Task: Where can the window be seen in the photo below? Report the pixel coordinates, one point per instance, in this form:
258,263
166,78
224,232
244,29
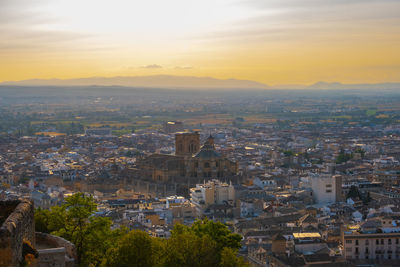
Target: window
349,241
328,185
207,165
357,242
328,191
382,241
366,251
356,250
377,241
389,241
397,241
367,242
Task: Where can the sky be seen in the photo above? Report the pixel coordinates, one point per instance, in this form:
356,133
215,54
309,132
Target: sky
269,41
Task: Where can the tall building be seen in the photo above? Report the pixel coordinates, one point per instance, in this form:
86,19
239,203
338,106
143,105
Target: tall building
190,165
326,188
212,192
187,143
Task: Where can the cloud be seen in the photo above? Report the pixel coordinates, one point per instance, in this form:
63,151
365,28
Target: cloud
151,66
325,20
184,67
25,27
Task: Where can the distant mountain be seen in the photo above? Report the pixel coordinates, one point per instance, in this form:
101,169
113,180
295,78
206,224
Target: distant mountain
341,86
154,81
193,82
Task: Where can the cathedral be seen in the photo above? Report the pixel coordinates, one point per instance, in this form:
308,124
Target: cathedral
191,164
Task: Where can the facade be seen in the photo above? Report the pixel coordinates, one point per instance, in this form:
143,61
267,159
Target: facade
371,246
213,192
187,143
326,188
189,166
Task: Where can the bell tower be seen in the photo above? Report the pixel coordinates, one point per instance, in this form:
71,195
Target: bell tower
187,143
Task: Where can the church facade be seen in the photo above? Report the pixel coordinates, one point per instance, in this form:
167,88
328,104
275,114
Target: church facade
191,163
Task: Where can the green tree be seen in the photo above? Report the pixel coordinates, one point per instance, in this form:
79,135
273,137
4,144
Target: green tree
205,243
361,151
353,193
192,245
367,199
135,249
288,153
229,259
73,220
42,218
187,249
218,232
343,157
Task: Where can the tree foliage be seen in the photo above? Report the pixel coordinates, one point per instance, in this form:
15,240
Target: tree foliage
73,221
136,248
353,193
343,157
205,243
229,258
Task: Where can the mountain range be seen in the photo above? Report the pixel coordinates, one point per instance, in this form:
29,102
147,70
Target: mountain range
191,82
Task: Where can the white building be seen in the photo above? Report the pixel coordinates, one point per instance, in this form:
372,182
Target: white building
326,188
265,181
212,192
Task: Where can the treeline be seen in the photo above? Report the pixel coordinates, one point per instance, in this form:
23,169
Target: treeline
205,243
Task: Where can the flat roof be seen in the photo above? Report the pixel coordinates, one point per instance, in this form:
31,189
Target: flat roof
305,235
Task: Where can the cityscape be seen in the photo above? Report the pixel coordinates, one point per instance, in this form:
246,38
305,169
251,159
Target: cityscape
231,150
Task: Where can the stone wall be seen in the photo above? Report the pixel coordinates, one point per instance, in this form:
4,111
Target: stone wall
56,250
16,228
51,257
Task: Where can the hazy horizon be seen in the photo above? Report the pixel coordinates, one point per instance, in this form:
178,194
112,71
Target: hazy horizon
269,42
191,82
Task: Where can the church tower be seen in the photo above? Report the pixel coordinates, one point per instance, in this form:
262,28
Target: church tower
187,143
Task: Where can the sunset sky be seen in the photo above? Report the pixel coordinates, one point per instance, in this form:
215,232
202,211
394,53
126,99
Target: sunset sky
269,41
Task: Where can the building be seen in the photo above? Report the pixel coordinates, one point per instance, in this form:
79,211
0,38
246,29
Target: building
213,192
187,143
173,126
369,242
326,188
190,165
